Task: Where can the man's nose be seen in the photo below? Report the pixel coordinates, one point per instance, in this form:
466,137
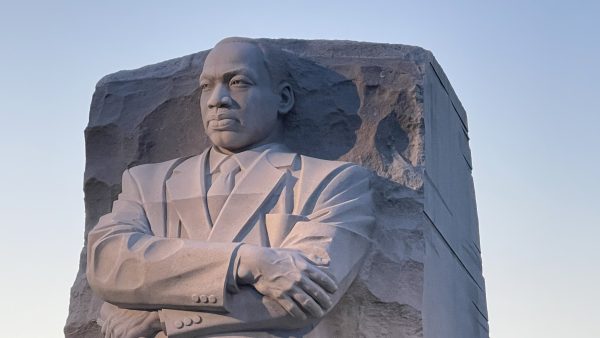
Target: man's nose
219,98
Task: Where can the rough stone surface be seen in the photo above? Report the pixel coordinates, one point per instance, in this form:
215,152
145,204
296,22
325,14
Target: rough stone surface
389,108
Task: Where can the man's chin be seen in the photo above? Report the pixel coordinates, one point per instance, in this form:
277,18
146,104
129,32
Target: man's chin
234,142
230,144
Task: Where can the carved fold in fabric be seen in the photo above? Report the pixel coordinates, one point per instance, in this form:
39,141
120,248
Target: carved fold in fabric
279,225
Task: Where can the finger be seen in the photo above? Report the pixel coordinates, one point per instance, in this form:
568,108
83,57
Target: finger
116,330
307,303
316,292
111,332
321,278
291,307
106,327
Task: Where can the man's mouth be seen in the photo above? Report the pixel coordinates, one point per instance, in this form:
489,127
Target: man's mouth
223,122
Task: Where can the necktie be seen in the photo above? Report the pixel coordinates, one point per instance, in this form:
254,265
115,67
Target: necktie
222,186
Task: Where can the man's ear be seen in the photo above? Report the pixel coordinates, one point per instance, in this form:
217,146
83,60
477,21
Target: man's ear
286,98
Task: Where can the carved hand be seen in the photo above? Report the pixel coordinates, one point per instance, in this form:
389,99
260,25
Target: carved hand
286,276
123,323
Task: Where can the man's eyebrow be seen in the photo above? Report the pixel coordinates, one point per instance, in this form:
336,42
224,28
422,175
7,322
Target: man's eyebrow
242,71
229,74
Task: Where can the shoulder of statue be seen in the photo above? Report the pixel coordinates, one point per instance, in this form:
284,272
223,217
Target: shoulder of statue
317,167
333,164
158,171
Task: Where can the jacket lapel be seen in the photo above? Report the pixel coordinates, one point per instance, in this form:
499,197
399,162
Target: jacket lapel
247,199
186,190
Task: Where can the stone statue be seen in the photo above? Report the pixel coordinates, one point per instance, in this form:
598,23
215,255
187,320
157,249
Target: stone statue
247,238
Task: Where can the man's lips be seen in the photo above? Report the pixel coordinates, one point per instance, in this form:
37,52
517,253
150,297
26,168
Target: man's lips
221,114
223,122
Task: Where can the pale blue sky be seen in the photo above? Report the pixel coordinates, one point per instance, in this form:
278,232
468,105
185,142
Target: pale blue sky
527,73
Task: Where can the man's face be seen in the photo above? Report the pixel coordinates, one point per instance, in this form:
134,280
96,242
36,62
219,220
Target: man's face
239,106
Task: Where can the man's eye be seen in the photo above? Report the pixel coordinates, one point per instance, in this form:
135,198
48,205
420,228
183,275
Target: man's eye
239,83
204,86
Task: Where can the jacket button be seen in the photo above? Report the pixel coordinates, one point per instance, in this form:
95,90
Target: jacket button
179,324
204,299
212,299
187,321
196,298
197,319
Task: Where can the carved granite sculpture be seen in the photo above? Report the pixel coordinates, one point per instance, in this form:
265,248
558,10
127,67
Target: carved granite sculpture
247,236
388,108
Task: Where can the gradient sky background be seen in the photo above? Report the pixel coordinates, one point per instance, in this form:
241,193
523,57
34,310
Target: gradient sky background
527,73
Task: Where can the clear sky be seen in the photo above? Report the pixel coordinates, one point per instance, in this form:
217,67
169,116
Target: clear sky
527,73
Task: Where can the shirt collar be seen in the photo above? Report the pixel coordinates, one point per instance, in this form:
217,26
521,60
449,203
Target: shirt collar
215,158
245,158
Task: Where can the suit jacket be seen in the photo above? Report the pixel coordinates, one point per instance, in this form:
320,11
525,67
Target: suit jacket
159,250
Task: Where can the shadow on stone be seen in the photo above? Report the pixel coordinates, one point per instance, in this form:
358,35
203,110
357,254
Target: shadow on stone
325,119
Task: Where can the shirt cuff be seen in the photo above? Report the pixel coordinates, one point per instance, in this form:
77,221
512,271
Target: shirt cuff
162,320
232,280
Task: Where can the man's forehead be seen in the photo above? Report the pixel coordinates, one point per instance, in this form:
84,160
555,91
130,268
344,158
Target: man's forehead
233,57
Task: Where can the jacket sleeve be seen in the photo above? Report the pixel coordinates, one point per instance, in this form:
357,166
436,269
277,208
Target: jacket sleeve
334,234
130,267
